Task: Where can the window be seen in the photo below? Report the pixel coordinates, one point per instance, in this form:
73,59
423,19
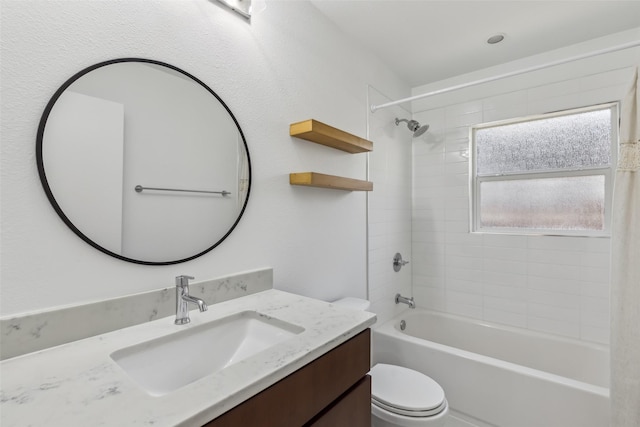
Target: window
549,174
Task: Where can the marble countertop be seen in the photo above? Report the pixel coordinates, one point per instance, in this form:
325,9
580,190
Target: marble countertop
79,384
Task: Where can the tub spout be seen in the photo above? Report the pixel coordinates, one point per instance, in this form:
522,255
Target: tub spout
404,300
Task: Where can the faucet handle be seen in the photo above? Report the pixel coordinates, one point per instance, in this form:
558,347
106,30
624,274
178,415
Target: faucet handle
183,280
398,262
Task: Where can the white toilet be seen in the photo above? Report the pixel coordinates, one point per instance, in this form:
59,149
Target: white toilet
402,397
405,398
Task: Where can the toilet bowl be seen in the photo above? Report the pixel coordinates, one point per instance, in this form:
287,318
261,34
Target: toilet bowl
402,397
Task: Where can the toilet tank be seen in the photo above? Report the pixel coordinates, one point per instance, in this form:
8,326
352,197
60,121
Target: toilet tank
354,303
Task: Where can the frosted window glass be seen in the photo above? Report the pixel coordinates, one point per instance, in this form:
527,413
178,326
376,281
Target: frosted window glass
573,141
566,203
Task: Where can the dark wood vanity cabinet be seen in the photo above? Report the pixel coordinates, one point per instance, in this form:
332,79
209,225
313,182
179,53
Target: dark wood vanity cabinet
332,391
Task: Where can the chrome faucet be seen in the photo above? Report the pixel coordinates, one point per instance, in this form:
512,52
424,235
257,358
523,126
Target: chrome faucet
404,300
183,299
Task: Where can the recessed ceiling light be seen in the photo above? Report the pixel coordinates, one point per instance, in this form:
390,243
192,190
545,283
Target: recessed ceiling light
495,39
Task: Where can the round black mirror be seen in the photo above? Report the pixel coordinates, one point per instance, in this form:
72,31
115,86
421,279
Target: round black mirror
143,161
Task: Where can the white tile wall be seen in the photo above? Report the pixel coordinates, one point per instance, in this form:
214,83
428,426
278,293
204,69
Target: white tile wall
390,207
558,285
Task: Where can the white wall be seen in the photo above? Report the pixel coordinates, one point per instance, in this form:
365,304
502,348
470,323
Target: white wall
83,164
389,207
552,284
288,64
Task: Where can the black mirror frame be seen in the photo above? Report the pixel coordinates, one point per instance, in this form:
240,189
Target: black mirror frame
56,206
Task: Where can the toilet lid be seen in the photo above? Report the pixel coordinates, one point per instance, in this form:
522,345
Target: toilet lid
406,390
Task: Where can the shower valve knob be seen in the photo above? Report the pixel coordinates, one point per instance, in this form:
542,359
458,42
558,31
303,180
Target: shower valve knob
398,262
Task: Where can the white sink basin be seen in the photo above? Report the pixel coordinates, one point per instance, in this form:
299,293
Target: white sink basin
165,364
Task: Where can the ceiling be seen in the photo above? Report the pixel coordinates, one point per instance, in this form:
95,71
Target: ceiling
426,41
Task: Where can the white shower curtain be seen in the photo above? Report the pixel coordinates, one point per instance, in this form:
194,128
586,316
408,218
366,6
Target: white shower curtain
625,269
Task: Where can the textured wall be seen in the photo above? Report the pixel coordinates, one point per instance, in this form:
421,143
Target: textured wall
288,64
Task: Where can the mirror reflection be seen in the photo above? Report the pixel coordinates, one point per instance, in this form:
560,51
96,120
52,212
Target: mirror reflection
133,123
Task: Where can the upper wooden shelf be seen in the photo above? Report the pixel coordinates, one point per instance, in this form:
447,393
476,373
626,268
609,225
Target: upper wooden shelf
318,132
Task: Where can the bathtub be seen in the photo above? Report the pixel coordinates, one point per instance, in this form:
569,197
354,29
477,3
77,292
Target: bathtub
501,376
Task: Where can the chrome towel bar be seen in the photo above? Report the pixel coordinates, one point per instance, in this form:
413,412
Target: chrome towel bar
140,189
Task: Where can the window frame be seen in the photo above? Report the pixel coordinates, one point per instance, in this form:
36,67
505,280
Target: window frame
608,172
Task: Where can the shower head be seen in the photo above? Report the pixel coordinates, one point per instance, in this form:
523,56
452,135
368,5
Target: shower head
414,127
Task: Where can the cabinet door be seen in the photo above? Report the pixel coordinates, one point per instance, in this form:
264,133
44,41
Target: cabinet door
352,409
300,397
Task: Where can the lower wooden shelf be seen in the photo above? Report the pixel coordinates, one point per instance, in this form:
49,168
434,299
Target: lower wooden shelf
314,179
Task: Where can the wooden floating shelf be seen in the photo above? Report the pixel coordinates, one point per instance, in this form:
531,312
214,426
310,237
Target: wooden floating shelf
314,179
318,132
